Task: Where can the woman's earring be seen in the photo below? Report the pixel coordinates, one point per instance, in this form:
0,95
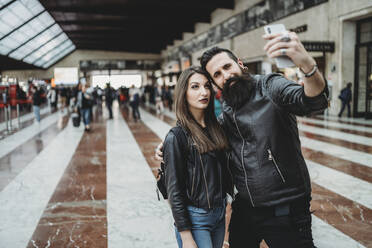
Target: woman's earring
245,69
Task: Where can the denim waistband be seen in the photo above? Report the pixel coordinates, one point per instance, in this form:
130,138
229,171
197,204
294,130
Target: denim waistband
220,204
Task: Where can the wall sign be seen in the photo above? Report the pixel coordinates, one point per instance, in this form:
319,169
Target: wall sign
299,29
319,46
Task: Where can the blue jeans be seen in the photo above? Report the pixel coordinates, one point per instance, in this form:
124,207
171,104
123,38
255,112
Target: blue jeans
344,104
208,227
86,116
37,113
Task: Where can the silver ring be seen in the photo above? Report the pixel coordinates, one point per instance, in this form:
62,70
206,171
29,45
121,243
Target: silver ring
285,38
283,51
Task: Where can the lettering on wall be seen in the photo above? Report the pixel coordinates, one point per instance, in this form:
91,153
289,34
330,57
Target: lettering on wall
299,29
319,46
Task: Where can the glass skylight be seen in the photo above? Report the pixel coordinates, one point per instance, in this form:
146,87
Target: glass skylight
60,55
3,2
29,33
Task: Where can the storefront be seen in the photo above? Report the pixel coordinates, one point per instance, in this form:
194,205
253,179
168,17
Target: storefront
362,94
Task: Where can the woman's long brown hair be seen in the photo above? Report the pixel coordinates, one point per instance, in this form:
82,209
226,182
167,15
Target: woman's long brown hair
203,143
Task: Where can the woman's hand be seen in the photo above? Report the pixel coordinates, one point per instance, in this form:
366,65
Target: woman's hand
159,152
189,244
227,224
187,240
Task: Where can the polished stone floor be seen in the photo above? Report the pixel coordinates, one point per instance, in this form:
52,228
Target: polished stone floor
63,187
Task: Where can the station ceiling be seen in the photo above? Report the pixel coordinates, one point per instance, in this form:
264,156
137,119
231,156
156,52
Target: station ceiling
37,34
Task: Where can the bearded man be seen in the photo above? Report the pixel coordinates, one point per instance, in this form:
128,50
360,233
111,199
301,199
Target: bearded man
269,170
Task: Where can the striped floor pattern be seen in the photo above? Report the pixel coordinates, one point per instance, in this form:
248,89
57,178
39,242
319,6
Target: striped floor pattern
63,187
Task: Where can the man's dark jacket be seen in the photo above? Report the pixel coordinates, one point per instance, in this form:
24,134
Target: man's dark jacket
267,162
36,97
345,95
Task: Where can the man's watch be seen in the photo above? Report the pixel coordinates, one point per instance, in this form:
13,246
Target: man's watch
310,73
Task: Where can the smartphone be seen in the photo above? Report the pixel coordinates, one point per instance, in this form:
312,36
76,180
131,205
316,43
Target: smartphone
280,61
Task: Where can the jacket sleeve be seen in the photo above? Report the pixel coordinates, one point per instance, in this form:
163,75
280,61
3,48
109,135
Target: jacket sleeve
291,96
175,178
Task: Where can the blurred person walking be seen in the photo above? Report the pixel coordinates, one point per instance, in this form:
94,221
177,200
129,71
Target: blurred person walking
168,95
134,101
85,100
53,98
63,97
36,101
109,98
345,97
159,105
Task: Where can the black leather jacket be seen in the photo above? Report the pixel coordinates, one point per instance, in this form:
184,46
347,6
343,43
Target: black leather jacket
193,179
267,162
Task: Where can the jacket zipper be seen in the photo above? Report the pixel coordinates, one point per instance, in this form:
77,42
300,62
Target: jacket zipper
242,157
232,179
271,157
193,177
193,180
205,180
220,175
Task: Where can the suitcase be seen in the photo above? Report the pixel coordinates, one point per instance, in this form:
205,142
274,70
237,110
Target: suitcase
75,119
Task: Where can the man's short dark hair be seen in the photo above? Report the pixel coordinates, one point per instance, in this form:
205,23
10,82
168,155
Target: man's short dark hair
210,53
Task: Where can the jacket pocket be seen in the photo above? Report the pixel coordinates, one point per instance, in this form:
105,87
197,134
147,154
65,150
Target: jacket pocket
272,158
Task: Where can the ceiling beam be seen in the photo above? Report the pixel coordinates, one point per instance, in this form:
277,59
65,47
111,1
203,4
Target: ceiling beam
7,63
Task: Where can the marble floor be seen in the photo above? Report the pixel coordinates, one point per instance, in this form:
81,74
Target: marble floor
63,187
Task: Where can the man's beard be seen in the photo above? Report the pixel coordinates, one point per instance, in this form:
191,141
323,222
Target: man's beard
237,90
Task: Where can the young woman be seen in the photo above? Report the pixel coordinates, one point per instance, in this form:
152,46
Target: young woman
197,176
84,103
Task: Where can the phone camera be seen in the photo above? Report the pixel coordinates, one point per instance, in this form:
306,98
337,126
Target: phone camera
269,30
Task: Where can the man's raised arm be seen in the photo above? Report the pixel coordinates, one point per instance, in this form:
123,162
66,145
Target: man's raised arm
291,46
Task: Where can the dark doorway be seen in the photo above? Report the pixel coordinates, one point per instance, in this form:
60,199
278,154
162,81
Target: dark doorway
362,104
254,67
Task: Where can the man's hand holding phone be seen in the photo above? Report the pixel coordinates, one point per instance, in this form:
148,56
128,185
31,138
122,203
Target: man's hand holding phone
286,45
